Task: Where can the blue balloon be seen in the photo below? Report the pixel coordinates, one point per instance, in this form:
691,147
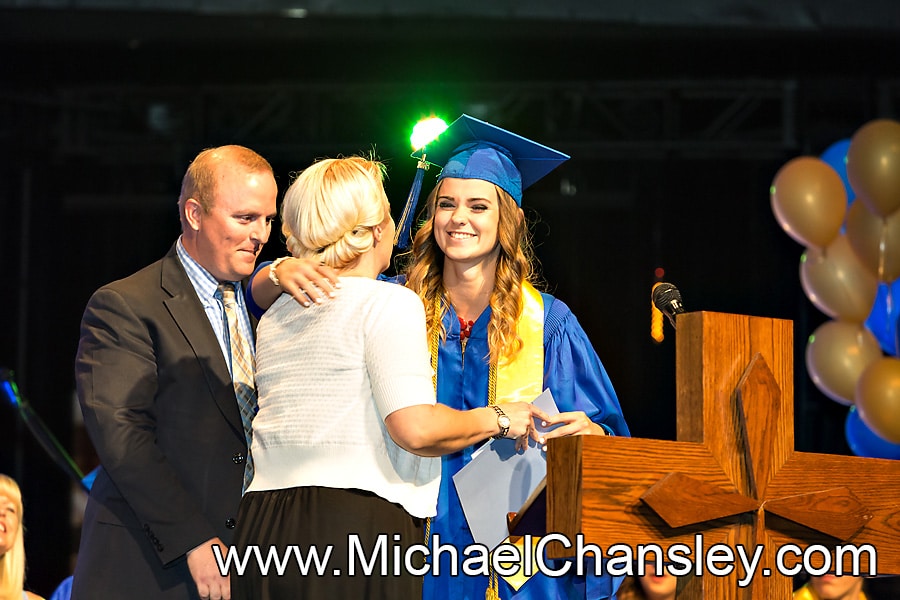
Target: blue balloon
836,157
882,321
865,442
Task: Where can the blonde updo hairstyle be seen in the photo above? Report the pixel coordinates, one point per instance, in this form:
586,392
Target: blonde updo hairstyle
330,209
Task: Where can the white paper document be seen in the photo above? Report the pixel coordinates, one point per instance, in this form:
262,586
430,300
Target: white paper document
498,481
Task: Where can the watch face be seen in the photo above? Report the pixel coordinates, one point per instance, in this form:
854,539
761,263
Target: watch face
503,421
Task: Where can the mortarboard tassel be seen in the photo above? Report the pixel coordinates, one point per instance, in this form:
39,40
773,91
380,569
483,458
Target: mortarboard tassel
403,237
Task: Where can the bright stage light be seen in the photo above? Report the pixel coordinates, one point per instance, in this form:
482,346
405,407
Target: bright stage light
426,130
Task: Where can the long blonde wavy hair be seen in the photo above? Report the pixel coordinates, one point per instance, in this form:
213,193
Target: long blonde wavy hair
425,268
12,563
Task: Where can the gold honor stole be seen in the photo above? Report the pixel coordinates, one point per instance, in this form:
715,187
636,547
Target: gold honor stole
521,380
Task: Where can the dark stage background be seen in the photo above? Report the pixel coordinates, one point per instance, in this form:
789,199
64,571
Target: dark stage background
677,116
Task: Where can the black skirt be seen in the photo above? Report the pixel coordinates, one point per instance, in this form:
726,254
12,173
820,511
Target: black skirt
351,532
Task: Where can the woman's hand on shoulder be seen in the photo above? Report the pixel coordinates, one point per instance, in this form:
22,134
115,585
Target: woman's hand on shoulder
306,280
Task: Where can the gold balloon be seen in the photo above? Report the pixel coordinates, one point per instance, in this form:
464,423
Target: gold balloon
837,282
873,165
836,355
809,200
876,240
878,398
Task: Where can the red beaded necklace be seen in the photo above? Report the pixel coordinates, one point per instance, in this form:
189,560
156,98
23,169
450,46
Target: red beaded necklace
465,328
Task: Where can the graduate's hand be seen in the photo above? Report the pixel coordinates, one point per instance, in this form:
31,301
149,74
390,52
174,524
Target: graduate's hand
521,416
570,423
307,280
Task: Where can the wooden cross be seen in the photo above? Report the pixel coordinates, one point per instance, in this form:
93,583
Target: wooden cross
732,477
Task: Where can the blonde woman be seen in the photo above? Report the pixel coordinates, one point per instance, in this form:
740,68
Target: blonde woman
348,428
12,544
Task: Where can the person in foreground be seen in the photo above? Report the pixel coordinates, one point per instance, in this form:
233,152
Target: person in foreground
347,432
159,391
832,587
471,266
649,586
12,543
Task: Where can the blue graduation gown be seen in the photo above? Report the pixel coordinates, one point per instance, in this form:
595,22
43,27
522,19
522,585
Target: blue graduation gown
578,382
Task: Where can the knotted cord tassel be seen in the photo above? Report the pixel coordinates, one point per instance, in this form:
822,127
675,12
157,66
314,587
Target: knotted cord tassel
493,590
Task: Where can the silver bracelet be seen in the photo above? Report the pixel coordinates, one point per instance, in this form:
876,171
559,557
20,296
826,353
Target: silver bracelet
272,276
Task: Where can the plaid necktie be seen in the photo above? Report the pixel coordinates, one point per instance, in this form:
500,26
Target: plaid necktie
241,370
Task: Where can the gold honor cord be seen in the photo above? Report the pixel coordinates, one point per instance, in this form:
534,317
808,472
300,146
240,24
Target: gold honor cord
521,380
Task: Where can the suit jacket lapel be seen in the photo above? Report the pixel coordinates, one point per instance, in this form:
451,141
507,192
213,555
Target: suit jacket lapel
189,316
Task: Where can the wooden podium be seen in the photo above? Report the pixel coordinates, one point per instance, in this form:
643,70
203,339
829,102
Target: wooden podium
732,477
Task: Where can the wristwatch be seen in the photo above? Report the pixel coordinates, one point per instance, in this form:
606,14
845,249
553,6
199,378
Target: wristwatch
502,422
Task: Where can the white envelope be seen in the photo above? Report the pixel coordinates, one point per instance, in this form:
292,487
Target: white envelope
498,481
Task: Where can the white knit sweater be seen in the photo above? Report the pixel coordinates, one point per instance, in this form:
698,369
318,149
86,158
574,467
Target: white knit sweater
327,377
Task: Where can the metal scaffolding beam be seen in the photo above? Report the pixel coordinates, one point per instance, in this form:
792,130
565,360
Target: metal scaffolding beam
646,119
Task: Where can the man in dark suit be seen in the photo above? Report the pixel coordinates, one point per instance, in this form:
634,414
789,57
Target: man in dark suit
153,381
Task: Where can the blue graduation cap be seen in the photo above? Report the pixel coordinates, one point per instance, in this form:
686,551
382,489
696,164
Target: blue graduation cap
473,149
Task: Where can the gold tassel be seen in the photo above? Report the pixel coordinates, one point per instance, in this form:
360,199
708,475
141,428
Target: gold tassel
493,590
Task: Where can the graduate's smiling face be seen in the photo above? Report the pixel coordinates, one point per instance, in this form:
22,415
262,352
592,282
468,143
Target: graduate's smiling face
466,220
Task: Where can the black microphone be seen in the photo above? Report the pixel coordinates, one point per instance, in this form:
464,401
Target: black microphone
667,299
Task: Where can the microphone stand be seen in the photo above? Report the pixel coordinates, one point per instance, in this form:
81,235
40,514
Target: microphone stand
40,430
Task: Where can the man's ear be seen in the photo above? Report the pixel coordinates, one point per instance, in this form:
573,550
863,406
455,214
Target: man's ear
193,213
